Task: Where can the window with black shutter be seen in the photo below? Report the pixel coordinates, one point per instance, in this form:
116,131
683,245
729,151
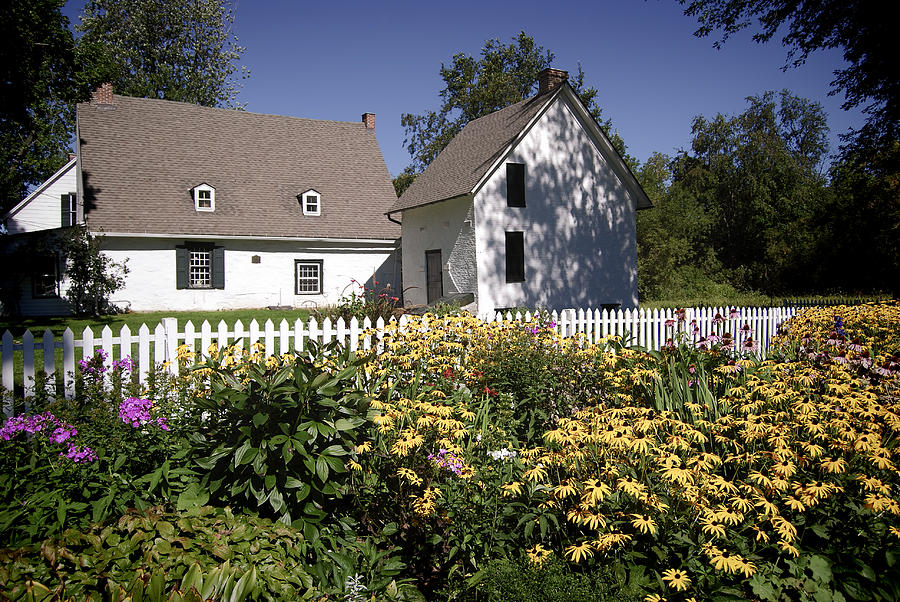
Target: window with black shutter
515,184
199,265
515,256
69,209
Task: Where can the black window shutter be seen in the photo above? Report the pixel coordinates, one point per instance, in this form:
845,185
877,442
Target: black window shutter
218,267
515,184
515,257
65,207
181,267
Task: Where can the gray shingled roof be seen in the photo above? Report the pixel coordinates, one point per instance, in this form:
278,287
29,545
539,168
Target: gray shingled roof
140,158
459,167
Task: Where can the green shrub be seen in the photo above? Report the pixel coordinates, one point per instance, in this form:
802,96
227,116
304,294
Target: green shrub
212,550
555,581
279,432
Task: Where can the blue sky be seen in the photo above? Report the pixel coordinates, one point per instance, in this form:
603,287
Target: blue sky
338,59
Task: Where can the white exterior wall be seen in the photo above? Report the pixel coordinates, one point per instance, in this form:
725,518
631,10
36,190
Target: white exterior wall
150,284
578,224
446,226
41,210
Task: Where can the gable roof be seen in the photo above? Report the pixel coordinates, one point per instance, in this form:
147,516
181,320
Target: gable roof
461,165
41,188
483,142
140,158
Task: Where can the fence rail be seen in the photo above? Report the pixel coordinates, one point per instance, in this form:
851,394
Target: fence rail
750,328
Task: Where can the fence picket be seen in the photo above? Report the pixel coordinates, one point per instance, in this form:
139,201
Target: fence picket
68,363
651,329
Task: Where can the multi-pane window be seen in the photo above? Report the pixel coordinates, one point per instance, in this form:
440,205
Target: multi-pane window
308,275
69,209
311,202
45,277
200,267
204,199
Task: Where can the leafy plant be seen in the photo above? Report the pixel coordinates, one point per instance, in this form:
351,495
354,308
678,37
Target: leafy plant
156,555
279,433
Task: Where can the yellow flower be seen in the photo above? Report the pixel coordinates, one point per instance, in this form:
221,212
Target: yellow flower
595,492
538,554
644,523
833,466
676,579
536,474
582,550
654,598
712,526
514,488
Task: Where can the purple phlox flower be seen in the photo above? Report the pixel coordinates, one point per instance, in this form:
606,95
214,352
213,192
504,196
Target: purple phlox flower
551,324
136,412
448,460
124,364
79,454
61,434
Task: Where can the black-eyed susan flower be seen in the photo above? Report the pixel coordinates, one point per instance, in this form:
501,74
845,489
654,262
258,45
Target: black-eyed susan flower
677,579
644,523
576,552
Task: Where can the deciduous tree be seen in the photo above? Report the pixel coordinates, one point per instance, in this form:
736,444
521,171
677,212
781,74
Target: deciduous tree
37,91
180,50
504,75
859,28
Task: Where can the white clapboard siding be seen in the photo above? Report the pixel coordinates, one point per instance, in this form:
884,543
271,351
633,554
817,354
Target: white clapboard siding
751,328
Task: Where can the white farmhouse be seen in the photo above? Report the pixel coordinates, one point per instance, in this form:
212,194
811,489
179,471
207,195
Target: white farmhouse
215,208
530,206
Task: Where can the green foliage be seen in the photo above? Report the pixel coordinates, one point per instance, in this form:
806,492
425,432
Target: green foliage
473,88
362,302
37,114
741,208
184,50
858,28
278,436
505,580
156,555
92,276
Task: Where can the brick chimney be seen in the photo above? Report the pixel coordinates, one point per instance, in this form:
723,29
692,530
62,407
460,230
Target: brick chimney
369,120
550,79
103,95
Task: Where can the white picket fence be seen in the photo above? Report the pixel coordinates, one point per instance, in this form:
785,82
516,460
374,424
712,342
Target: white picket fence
649,329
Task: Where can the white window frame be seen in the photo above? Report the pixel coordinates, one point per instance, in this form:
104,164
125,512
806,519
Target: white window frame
204,188
200,261
303,200
306,263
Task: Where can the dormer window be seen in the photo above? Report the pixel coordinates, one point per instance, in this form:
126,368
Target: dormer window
311,201
204,198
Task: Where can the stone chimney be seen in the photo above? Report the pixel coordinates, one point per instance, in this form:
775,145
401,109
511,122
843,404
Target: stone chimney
550,79
103,95
369,120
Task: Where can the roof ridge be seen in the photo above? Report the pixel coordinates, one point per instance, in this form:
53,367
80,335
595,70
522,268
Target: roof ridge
182,103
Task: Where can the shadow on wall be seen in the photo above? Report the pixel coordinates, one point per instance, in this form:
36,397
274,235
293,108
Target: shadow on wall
578,224
389,275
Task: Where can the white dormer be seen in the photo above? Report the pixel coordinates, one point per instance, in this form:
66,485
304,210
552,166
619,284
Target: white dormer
204,197
311,201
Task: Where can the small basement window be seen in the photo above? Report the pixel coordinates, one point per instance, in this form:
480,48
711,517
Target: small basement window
204,198
311,201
